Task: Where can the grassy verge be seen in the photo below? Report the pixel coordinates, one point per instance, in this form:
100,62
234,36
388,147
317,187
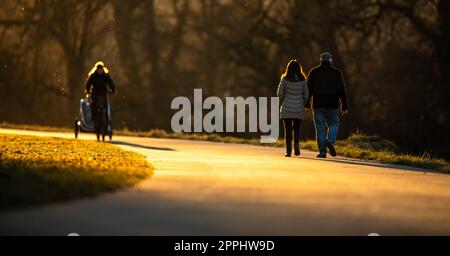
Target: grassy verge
357,146
35,127
375,148
35,170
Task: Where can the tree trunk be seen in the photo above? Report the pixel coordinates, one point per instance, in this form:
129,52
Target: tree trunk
443,56
75,82
328,40
124,36
160,99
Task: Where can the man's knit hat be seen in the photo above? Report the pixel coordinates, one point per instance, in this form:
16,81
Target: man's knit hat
326,56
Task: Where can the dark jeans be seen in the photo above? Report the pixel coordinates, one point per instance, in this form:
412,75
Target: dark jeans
99,108
292,125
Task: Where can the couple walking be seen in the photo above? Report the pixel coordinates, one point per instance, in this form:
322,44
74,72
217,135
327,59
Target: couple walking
325,87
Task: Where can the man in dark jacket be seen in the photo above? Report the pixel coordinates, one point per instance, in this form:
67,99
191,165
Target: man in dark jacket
97,86
327,91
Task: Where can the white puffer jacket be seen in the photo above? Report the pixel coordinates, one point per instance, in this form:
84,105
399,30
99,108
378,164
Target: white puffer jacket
293,96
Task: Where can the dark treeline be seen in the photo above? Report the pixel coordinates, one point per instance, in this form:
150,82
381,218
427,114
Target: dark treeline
394,54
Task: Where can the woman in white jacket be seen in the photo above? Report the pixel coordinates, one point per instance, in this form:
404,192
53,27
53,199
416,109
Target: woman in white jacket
293,94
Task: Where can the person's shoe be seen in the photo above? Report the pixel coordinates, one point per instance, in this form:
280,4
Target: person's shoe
288,153
321,156
333,152
297,150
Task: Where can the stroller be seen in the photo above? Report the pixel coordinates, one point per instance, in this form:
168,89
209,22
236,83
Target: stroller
86,122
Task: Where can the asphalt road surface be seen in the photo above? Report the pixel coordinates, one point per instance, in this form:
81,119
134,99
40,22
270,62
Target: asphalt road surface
204,188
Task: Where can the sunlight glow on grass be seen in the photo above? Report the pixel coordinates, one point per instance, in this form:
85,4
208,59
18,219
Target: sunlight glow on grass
37,170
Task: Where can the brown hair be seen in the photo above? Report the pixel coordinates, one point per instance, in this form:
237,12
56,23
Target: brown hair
294,71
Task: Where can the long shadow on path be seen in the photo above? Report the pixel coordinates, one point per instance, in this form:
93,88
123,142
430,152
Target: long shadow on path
122,143
374,164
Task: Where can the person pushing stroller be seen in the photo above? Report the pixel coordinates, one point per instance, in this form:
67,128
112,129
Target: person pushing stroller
97,85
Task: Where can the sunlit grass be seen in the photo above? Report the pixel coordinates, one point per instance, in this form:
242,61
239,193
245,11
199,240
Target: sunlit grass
375,148
38,170
35,127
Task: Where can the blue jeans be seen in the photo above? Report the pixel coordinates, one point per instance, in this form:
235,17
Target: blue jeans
326,121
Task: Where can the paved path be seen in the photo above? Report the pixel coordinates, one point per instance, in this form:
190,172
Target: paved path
203,188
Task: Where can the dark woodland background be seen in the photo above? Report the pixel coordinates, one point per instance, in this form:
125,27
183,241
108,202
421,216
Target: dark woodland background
394,55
